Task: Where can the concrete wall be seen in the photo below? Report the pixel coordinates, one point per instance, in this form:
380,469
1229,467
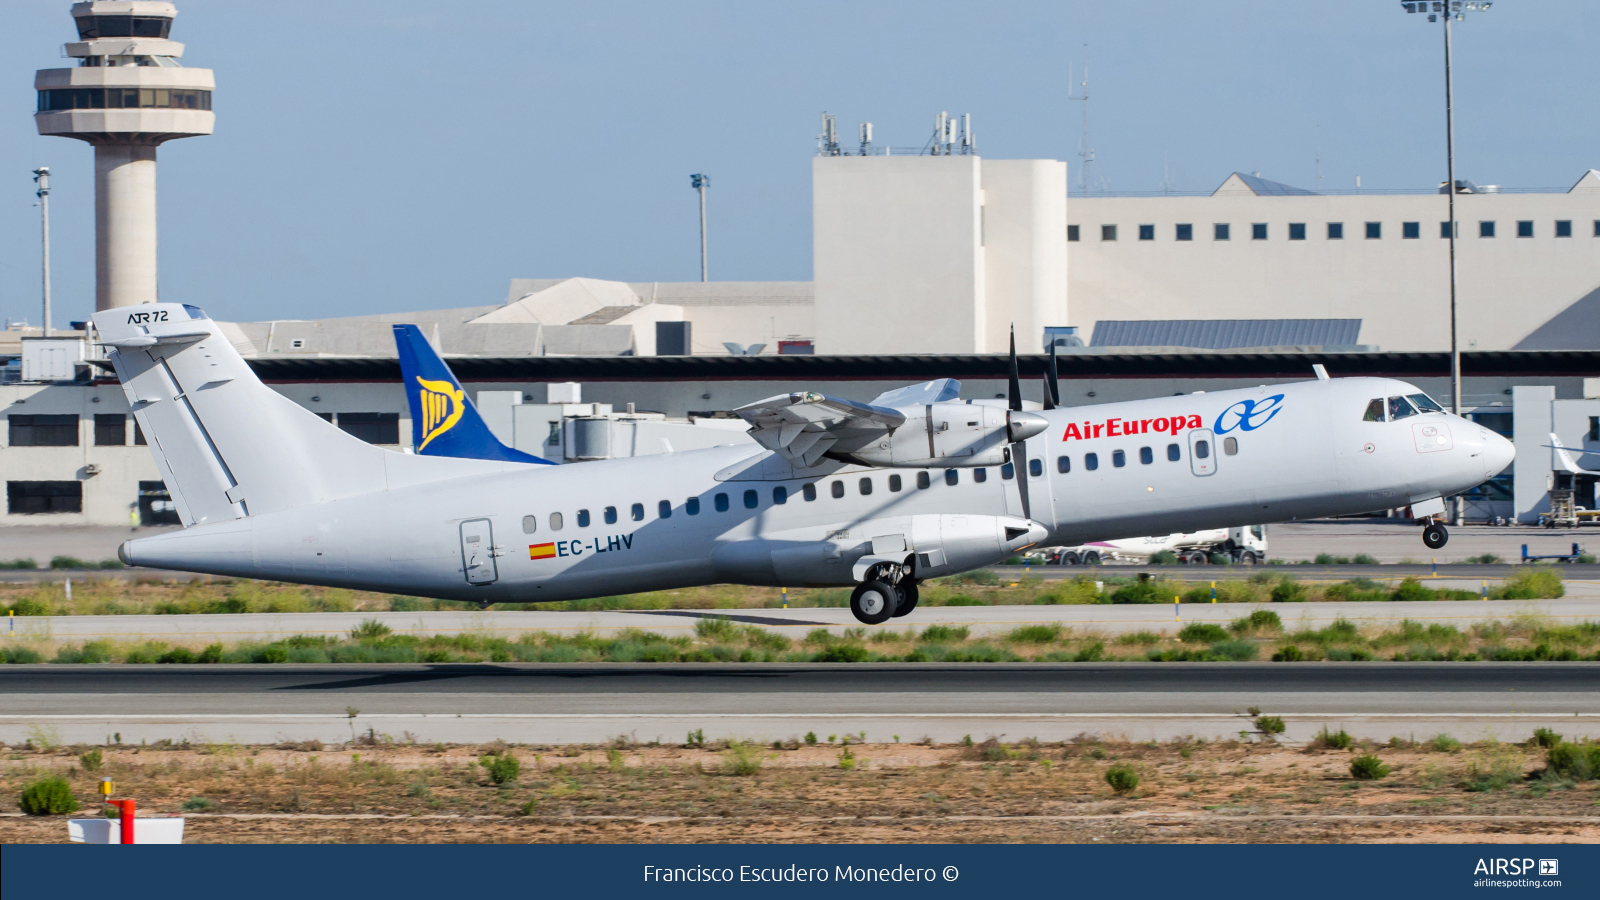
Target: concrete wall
1515,293
1025,258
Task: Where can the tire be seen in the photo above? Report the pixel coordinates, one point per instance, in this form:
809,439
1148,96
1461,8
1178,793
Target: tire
1435,536
1198,558
1091,557
1248,558
1069,558
908,597
873,602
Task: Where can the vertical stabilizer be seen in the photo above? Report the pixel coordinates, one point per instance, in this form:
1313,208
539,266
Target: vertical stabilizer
443,421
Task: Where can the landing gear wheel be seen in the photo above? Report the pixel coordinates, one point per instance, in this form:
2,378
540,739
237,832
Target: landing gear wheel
873,602
908,597
1435,536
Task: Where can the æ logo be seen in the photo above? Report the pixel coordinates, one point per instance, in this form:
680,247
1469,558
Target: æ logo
1248,415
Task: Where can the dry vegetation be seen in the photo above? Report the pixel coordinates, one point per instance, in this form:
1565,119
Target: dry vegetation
1187,790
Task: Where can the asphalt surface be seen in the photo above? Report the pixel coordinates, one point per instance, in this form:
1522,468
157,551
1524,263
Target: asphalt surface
593,703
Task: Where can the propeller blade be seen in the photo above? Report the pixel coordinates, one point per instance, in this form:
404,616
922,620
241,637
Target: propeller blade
1052,380
1019,459
1016,380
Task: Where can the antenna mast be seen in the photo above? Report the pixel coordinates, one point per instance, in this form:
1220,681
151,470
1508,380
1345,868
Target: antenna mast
1085,148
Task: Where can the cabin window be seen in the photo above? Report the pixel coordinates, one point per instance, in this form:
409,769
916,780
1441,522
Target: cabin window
1063,464
692,506
1008,471
1146,456
720,501
1174,452
555,521
809,492
530,524
1374,411
980,475
837,490
1035,467
1230,446
1424,403
611,515
1400,408
664,509
751,499
865,486
952,477
1118,458
583,518
780,495
1202,449
923,480
636,512
1091,461
894,484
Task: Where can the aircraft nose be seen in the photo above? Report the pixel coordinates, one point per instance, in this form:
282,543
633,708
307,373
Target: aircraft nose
1497,453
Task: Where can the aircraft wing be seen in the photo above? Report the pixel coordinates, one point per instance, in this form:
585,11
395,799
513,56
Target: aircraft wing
801,427
939,390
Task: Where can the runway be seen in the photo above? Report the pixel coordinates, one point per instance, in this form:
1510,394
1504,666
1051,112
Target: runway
553,704
794,623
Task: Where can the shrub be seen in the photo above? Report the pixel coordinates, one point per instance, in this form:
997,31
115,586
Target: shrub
501,767
944,633
841,653
1580,762
1035,634
1364,559
1528,584
964,600
742,758
1163,558
1270,725
370,630
20,656
18,564
1333,740
1443,743
847,760
1140,592
27,606
1288,653
1234,651
69,562
1412,589
1328,559
48,797
1367,767
1544,737
197,804
1122,779
1202,633
811,738
1288,592
1139,637
92,761
715,628
1258,620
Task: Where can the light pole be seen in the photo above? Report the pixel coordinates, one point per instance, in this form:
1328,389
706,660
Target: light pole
42,176
700,183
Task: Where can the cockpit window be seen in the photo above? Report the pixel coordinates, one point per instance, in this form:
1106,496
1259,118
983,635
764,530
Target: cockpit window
1425,403
1374,411
1399,408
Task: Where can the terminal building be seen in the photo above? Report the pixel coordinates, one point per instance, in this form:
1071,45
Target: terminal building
925,259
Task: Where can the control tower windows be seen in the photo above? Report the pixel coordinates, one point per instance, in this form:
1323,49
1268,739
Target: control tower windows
115,26
122,98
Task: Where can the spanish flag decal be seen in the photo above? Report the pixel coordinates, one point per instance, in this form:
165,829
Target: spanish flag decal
442,406
541,551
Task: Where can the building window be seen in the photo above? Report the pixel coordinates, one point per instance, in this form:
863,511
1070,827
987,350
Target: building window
556,522
1297,231
32,497
372,427
692,506
809,491
952,477
1597,227
636,512
1525,229
1072,232
530,524
611,514
1108,232
110,430
1219,231
43,431
1063,464
720,502
865,486
1174,453
1563,228
780,495
980,475
1258,231
1444,229
1147,232
751,499
1410,230
1335,231
156,506
1374,231
923,481
138,434
1485,229
1091,461
583,518
1185,232
894,484
1594,428
838,490
1146,456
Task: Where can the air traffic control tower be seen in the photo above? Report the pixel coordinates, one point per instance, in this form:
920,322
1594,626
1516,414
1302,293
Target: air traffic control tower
126,96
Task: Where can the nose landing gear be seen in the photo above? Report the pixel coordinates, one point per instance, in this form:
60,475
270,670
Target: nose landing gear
1435,535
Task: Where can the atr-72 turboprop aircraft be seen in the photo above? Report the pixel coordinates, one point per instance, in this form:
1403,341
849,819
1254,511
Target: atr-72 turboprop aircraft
913,485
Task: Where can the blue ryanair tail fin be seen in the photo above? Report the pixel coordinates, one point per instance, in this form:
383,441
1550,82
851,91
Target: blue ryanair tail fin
443,421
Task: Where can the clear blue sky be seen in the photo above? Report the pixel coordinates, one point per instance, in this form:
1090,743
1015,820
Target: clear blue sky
388,156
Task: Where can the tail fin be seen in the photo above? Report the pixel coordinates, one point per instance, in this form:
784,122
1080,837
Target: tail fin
227,445
443,421
1567,462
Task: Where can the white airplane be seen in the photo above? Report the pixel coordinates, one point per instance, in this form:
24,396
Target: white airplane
914,485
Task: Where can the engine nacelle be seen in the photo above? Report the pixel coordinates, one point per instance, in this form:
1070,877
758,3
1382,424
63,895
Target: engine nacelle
957,435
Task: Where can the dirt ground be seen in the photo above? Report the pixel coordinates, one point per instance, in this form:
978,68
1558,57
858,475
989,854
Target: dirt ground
1188,792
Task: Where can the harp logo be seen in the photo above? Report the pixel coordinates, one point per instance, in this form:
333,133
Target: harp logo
442,406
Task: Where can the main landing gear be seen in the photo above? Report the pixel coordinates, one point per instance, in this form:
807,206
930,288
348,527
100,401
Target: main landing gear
888,593
1435,535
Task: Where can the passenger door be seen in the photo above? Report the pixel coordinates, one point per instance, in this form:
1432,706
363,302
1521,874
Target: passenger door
477,551
1202,451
